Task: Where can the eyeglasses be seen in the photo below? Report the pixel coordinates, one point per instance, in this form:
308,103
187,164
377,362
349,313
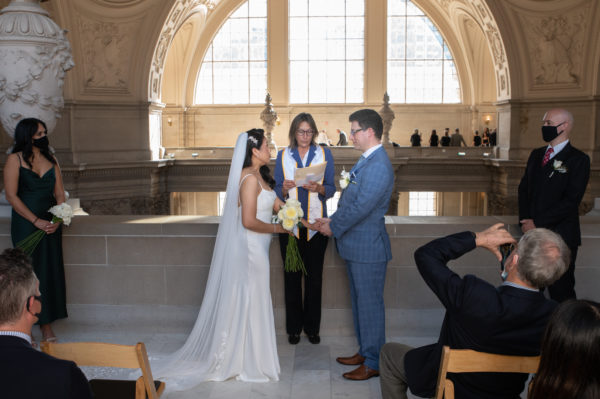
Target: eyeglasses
305,133
36,297
505,251
353,132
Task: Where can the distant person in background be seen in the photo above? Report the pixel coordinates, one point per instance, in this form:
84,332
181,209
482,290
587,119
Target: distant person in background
456,140
323,139
415,139
445,141
485,138
493,138
343,138
570,354
476,139
433,139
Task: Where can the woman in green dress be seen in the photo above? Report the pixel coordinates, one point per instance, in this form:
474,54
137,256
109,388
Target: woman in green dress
33,184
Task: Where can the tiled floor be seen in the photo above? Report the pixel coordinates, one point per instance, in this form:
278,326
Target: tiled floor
307,371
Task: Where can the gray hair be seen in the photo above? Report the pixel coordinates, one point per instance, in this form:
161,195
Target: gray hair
17,284
543,257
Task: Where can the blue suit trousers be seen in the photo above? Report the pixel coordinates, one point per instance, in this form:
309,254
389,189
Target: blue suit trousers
366,290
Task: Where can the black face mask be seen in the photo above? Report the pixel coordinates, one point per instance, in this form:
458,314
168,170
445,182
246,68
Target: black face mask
41,143
549,133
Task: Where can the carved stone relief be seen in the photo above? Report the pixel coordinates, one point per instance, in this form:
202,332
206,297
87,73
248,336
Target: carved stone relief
480,13
492,33
118,3
181,11
34,57
108,54
556,44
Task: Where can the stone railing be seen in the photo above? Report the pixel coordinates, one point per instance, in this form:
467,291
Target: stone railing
154,269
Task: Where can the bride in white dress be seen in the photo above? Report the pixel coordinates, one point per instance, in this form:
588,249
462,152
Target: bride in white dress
234,334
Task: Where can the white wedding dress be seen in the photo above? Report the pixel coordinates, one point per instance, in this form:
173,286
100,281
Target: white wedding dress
234,334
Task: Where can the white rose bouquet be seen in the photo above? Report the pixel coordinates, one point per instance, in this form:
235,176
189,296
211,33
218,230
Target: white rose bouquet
61,213
289,216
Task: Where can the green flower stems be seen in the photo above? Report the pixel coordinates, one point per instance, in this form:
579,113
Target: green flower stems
30,243
293,260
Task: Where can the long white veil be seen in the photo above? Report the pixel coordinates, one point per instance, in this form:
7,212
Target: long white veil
202,356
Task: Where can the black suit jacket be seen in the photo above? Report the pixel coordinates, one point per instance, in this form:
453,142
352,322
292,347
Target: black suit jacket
551,198
505,320
27,373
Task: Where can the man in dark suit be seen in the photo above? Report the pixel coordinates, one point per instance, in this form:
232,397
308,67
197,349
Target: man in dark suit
361,239
415,139
551,190
509,319
25,372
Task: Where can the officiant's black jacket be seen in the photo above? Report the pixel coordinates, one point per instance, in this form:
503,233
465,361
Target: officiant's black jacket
551,198
505,320
27,373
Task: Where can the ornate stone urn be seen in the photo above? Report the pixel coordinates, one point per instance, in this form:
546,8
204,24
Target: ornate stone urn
34,56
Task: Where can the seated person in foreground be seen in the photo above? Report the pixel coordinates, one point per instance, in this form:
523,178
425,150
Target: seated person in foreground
509,319
570,355
25,372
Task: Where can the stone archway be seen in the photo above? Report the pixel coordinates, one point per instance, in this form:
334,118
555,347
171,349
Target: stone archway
180,12
477,9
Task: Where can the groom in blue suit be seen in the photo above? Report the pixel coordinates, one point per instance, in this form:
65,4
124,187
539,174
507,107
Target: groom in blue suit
358,226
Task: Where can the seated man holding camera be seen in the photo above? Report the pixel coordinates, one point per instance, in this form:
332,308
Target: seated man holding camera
509,319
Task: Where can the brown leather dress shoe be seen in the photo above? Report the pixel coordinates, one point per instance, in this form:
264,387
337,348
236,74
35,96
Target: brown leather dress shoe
361,373
353,360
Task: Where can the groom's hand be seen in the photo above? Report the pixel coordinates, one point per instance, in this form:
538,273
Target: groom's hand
324,226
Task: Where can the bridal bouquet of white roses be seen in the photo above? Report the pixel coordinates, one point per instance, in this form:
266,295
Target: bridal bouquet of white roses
61,213
289,216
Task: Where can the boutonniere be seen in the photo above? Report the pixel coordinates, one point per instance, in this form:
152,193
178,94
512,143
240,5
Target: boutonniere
346,178
559,167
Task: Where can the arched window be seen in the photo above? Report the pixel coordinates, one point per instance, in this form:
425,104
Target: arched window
326,51
234,69
420,68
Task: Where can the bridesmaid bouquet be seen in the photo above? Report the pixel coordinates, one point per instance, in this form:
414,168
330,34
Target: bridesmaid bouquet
289,216
61,213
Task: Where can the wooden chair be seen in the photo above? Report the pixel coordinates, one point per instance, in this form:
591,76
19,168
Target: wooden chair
110,355
470,361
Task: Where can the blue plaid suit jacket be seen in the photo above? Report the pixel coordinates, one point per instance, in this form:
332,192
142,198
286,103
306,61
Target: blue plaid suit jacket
358,225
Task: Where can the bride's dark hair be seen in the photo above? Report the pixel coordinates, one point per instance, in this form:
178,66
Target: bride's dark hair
255,140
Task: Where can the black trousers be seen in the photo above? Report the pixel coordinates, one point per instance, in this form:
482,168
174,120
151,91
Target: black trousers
564,287
305,315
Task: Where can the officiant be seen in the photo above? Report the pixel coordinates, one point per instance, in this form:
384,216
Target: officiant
304,313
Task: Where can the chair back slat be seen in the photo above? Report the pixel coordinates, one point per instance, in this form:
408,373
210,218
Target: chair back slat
470,361
95,354
110,355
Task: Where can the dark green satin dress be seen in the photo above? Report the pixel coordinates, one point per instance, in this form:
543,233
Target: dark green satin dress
37,193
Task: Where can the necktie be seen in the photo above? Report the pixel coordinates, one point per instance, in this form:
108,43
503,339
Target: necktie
547,156
360,160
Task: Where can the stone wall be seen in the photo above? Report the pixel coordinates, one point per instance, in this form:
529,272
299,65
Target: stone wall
155,268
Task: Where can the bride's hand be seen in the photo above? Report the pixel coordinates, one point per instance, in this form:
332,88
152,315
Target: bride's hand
311,226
